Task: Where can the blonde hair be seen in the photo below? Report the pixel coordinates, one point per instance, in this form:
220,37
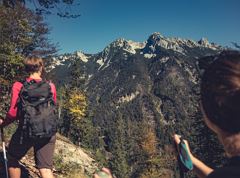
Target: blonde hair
33,64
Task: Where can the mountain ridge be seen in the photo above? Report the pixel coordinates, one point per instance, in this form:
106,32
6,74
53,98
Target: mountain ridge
139,94
156,39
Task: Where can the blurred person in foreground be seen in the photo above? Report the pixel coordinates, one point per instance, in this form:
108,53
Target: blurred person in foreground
220,104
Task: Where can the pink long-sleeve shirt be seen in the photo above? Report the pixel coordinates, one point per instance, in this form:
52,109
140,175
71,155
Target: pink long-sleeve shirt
12,112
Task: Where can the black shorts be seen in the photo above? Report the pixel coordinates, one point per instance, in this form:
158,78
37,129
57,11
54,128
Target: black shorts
43,150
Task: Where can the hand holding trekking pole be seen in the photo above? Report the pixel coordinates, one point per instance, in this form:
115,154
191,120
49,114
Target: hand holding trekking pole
185,156
200,168
178,140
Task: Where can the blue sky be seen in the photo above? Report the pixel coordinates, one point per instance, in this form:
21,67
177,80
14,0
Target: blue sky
103,21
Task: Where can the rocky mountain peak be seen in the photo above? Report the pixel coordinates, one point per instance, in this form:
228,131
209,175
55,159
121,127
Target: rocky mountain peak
203,42
82,56
155,38
156,42
123,44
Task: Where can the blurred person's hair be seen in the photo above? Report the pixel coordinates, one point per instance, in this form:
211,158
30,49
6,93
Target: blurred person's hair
220,91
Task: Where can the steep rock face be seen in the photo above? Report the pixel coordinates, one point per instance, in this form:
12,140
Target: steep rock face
139,88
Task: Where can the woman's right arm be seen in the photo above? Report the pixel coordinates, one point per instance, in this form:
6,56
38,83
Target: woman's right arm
201,169
12,112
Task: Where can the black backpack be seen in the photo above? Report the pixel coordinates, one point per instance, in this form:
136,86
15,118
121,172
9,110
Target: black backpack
37,111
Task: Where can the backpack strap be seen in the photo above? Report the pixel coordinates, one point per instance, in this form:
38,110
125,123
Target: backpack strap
25,84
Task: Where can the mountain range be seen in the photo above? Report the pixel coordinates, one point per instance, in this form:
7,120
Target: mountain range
139,94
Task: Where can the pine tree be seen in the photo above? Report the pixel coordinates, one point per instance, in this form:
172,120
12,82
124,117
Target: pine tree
22,33
119,161
42,7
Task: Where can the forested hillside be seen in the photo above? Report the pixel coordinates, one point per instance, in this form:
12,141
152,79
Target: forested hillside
138,95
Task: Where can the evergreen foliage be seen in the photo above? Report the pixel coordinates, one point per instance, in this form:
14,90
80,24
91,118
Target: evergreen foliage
61,8
23,33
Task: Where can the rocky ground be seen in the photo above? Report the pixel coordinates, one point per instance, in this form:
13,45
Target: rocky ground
69,161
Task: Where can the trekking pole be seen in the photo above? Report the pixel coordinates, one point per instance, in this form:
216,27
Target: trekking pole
179,162
2,133
4,152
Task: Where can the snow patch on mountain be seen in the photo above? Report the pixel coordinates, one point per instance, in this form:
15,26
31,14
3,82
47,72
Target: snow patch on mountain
82,56
103,63
133,46
100,61
192,75
149,56
56,62
105,66
59,61
128,98
164,59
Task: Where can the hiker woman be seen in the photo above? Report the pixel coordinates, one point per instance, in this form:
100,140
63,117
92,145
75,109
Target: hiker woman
220,103
19,144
